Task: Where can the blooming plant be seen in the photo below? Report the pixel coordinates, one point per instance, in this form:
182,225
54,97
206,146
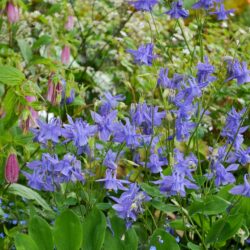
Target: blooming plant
137,139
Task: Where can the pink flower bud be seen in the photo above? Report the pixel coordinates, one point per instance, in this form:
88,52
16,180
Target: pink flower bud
69,25
65,56
54,90
12,169
12,13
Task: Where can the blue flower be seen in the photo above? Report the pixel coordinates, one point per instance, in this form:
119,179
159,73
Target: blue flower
155,163
129,205
126,134
144,5
183,128
50,172
48,131
78,132
110,159
180,179
109,102
111,183
221,12
175,184
232,130
238,71
163,79
204,73
177,10
105,124
204,4
71,98
223,176
240,155
243,190
144,54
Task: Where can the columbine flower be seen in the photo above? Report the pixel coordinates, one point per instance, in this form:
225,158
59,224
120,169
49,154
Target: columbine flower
69,25
223,176
110,159
65,55
181,176
48,131
221,12
240,155
163,79
175,184
177,10
71,98
50,172
232,130
12,13
111,183
105,124
144,5
204,73
12,169
78,132
238,71
155,163
204,4
126,133
144,54
109,102
129,205
243,190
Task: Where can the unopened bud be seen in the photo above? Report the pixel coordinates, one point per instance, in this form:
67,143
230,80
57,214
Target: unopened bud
12,169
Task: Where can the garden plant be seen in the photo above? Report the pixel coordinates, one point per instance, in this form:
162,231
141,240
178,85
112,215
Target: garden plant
124,124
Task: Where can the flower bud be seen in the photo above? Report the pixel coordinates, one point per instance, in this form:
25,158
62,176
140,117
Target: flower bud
54,90
29,121
12,169
12,13
69,25
65,56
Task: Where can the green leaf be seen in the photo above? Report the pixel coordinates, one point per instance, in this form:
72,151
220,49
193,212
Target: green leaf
111,242
29,194
10,75
167,208
210,206
224,228
9,105
25,50
193,246
163,240
43,40
41,233
150,190
94,227
24,242
131,240
68,231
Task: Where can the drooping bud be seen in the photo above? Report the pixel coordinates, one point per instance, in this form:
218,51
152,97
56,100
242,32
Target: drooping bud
54,90
12,13
69,25
12,169
30,121
65,56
